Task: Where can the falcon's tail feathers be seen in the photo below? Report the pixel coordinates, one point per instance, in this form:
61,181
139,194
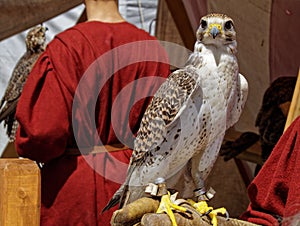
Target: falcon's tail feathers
114,200
121,194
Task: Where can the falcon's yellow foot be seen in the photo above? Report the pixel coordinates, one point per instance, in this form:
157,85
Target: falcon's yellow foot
166,206
204,209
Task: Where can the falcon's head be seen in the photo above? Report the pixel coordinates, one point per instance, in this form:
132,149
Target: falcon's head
36,39
216,29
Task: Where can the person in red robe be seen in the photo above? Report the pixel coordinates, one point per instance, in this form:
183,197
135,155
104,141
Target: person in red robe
275,192
84,97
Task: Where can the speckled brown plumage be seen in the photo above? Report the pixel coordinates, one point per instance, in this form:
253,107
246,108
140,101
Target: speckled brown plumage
35,45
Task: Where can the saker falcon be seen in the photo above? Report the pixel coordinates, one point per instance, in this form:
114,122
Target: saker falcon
184,125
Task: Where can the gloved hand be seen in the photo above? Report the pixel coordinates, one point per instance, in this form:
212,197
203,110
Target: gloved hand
163,220
133,212
182,219
143,212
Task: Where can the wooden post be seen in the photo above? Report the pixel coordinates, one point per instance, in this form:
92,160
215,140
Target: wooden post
17,16
294,110
182,22
19,192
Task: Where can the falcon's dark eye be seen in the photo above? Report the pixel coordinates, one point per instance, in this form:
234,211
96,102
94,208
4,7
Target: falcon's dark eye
228,25
203,24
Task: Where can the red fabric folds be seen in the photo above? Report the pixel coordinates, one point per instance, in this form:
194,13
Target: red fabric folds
275,191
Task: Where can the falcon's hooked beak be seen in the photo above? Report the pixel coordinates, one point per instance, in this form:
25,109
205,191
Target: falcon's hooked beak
214,30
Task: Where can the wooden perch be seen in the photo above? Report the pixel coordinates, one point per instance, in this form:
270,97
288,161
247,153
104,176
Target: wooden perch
19,192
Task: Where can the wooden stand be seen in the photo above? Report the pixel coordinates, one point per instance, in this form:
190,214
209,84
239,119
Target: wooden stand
19,192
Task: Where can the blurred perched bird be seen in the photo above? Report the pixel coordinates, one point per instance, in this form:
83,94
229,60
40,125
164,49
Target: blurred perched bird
185,123
272,115
35,45
270,121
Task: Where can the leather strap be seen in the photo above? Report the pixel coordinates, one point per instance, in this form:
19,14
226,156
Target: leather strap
96,149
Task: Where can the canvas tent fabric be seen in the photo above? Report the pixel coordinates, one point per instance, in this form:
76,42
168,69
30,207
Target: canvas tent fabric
141,13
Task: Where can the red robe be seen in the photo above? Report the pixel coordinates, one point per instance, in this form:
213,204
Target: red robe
275,192
54,115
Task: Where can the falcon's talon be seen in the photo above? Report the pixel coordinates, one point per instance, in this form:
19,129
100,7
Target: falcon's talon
166,206
227,215
189,212
206,210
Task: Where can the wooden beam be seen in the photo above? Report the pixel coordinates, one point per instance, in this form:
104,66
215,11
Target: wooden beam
19,192
294,110
182,22
9,151
17,16
83,17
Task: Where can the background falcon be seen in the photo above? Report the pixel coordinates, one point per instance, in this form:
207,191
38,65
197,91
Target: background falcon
184,125
35,45
270,121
